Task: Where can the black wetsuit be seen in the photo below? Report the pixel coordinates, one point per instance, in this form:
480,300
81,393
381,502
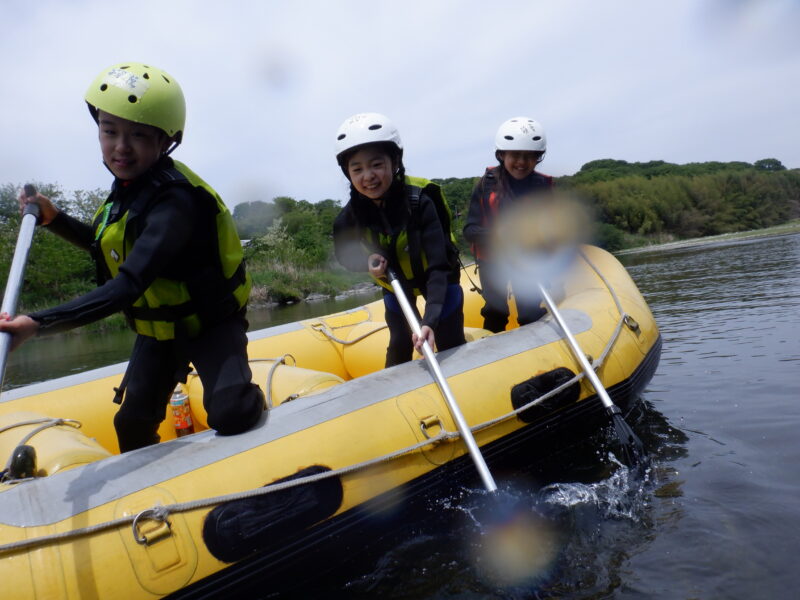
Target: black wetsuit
173,242
444,299
480,219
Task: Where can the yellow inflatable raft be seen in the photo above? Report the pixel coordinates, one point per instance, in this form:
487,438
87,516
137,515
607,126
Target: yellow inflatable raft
346,445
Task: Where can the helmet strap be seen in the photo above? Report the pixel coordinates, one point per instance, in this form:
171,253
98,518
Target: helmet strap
169,150
175,142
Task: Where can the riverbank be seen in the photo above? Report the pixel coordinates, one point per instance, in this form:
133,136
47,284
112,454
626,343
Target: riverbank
284,285
784,229
259,297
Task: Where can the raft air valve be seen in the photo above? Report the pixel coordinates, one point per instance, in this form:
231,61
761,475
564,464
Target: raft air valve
23,462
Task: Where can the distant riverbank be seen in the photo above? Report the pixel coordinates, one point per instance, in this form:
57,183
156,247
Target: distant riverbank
261,293
785,229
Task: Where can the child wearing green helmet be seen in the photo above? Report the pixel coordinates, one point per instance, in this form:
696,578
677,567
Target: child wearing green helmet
167,255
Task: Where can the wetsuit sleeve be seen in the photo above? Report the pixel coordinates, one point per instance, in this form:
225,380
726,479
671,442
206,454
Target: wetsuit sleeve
434,245
348,244
474,230
166,232
71,229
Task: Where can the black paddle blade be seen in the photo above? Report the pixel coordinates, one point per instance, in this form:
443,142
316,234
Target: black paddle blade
632,451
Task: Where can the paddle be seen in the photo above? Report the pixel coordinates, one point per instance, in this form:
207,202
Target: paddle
631,445
535,242
455,411
30,215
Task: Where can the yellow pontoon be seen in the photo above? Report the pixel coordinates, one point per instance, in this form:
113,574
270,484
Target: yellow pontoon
345,444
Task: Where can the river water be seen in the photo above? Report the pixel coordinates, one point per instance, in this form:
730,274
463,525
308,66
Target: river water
716,516
49,357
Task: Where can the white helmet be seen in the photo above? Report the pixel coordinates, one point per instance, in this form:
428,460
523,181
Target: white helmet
366,128
521,133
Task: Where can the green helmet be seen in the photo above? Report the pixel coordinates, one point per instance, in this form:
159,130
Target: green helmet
139,93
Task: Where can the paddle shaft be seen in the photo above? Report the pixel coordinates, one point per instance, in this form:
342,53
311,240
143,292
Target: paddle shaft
455,411
15,275
579,355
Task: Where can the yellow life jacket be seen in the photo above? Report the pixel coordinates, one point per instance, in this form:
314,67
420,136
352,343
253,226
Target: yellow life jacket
170,307
404,248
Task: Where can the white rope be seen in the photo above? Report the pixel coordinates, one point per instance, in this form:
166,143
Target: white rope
325,330
277,361
160,512
623,316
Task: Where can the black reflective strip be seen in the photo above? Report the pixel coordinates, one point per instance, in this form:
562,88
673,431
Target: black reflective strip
163,313
415,241
176,313
238,278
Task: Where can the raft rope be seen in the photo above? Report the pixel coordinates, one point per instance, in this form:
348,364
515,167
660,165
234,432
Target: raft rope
276,362
326,329
281,360
161,512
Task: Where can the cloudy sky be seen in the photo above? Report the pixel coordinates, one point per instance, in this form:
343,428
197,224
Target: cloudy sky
267,83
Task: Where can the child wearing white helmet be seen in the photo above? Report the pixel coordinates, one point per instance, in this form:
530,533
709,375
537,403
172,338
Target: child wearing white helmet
520,145
391,220
167,255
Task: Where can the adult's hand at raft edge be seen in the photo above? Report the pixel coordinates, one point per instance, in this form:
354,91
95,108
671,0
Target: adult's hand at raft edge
47,209
20,328
427,336
376,265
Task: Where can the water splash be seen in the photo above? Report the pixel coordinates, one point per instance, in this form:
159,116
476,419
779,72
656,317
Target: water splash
622,495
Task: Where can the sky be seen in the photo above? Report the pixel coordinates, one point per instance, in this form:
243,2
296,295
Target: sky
268,83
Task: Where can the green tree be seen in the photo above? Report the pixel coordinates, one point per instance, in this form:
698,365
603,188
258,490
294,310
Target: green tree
769,164
56,270
253,218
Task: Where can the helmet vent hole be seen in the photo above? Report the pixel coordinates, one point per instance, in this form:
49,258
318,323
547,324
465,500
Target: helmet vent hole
374,127
132,99
508,137
104,87
125,67
165,79
341,136
536,138
146,76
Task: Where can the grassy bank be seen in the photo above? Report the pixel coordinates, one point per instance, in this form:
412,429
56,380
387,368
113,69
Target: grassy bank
281,283
649,246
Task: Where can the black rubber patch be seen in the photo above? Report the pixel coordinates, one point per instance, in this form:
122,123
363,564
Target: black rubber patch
535,387
239,528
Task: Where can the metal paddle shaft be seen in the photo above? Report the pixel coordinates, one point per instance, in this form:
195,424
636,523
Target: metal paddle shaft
30,216
631,444
455,411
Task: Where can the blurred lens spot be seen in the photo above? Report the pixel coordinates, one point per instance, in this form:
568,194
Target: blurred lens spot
536,239
517,551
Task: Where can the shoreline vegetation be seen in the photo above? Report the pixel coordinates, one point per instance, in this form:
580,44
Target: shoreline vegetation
637,207
785,229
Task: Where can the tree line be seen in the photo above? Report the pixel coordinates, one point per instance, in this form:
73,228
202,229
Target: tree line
289,245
